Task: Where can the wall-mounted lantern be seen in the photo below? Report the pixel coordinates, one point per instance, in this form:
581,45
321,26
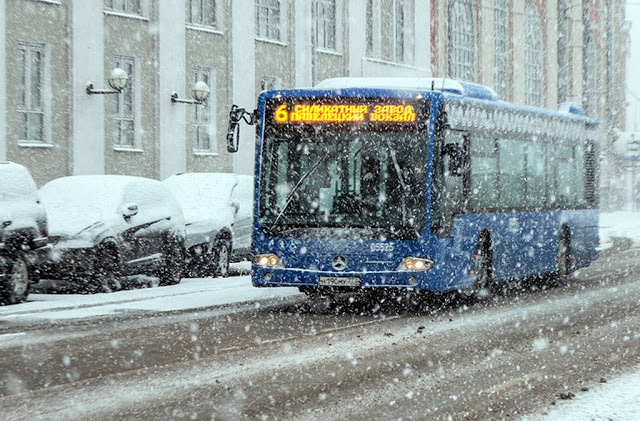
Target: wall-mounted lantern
118,80
200,93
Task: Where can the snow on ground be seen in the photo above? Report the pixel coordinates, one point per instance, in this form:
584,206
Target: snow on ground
618,399
188,294
624,224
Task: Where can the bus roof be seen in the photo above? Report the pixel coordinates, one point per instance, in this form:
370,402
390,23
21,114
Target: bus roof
462,91
466,89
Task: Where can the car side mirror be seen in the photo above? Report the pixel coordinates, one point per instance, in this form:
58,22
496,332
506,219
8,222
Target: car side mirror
129,210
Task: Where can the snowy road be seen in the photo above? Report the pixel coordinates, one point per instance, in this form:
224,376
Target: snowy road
270,358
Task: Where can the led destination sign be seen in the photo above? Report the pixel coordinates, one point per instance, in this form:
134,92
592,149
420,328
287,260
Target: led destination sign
344,113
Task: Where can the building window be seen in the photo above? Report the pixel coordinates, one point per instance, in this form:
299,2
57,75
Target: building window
589,75
270,83
127,6
462,41
203,113
533,57
373,28
202,12
30,92
124,110
268,19
403,36
588,62
324,14
370,26
501,69
563,51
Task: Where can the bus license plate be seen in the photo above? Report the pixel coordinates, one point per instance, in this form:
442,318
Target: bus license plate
339,281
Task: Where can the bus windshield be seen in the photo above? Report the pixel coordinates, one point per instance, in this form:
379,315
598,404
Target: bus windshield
368,184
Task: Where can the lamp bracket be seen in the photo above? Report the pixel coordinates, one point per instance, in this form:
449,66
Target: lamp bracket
175,99
91,91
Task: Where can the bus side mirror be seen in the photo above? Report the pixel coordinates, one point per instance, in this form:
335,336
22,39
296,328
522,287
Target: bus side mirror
455,159
233,132
233,136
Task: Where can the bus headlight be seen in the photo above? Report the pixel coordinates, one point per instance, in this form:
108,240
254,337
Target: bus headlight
415,264
267,260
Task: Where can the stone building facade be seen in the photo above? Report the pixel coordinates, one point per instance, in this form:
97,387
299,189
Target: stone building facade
539,52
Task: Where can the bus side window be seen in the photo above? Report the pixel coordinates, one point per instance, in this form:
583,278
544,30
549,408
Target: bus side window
484,173
512,185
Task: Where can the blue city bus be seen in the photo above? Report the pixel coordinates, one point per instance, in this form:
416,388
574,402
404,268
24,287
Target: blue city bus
417,184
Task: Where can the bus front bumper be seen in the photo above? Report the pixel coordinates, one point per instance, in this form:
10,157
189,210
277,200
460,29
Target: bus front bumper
287,277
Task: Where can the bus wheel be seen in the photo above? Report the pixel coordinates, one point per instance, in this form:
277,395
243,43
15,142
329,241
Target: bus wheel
482,286
563,268
319,300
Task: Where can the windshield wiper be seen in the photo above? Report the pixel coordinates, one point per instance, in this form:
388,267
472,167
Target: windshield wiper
405,187
296,187
89,227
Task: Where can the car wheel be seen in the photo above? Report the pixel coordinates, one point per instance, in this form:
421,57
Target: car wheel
106,271
173,270
16,285
194,265
222,260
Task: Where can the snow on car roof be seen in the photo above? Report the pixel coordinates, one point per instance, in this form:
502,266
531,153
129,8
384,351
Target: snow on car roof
15,180
203,195
75,202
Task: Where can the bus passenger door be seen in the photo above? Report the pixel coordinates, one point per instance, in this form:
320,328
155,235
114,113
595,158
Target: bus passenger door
450,165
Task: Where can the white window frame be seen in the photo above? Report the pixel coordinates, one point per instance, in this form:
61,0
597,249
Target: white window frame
121,115
403,31
533,64
589,79
270,83
325,24
274,13
126,6
26,106
501,44
563,50
372,35
204,114
199,6
462,41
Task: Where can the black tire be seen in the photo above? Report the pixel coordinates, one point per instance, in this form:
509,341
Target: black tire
221,260
563,262
483,288
106,275
319,300
197,265
174,264
15,288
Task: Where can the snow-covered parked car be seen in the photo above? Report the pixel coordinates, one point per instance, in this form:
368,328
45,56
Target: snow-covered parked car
23,232
103,227
218,210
